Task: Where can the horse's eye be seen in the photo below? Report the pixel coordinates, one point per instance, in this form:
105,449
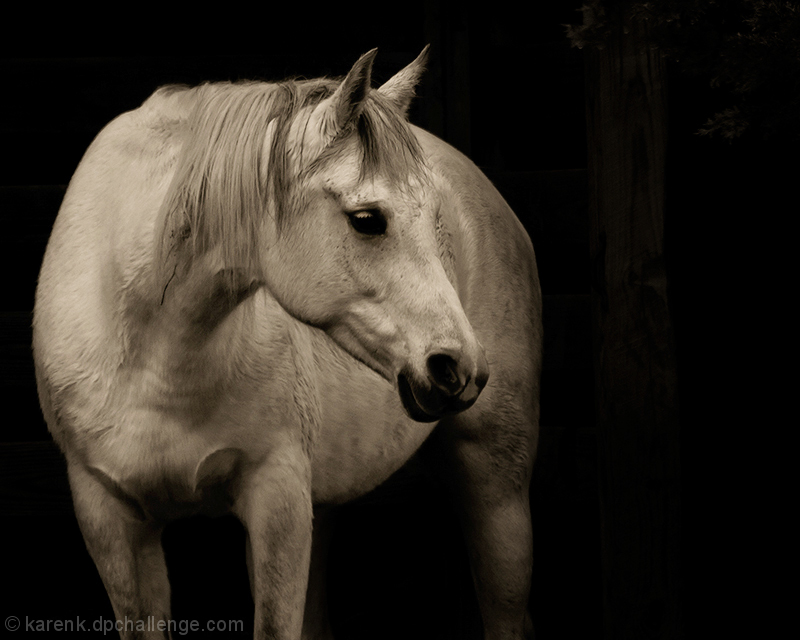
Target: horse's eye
368,222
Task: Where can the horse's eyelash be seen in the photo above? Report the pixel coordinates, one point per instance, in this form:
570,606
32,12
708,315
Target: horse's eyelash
375,211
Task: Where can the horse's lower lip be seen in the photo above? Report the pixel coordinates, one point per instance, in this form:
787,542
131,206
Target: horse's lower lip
410,404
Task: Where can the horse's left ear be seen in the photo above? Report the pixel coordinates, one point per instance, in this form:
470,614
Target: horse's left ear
400,88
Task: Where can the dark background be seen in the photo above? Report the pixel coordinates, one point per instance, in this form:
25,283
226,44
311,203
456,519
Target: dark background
505,87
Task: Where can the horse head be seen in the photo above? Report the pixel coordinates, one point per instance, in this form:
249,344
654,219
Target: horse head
356,253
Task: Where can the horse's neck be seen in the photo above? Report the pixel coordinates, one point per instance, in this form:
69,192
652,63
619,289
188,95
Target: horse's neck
199,296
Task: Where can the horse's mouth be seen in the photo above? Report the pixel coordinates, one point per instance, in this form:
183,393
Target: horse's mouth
410,404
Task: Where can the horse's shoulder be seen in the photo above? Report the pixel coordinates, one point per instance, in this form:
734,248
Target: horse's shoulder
103,233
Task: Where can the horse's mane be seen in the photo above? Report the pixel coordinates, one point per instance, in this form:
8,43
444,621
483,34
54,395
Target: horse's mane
227,179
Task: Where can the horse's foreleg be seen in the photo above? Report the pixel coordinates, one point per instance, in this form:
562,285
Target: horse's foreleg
127,552
274,505
491,491
316,622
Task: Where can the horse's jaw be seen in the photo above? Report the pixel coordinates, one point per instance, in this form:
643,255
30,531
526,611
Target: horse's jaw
347,339
423,397
409,402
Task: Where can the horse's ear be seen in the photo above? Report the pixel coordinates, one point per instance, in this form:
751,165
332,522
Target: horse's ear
345,105
401,86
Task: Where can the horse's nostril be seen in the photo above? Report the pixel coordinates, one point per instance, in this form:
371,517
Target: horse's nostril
445,374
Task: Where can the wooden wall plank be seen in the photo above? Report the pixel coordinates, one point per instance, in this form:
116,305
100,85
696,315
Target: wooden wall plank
634,352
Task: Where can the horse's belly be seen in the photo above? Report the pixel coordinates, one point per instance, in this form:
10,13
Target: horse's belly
365,436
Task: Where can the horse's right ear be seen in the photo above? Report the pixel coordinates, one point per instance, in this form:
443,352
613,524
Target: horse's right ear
345,105
400,88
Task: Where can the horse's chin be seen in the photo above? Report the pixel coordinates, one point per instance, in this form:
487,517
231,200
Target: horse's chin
410,404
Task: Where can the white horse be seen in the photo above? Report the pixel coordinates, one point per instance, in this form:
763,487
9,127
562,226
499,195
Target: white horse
260,297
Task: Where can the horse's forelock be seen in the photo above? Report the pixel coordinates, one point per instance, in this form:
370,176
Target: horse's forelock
385,141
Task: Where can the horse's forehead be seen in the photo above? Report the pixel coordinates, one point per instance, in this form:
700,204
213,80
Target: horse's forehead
343,168
345,182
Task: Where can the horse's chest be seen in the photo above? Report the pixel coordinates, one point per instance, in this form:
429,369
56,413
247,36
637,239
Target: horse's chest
364,437
174,452
165,451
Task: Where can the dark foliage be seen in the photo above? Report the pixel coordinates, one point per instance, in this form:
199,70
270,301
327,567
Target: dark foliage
748,49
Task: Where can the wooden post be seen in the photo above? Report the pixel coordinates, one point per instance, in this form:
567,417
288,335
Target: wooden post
447,81
634,352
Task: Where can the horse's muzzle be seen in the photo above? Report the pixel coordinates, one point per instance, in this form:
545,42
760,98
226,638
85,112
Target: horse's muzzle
450,386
